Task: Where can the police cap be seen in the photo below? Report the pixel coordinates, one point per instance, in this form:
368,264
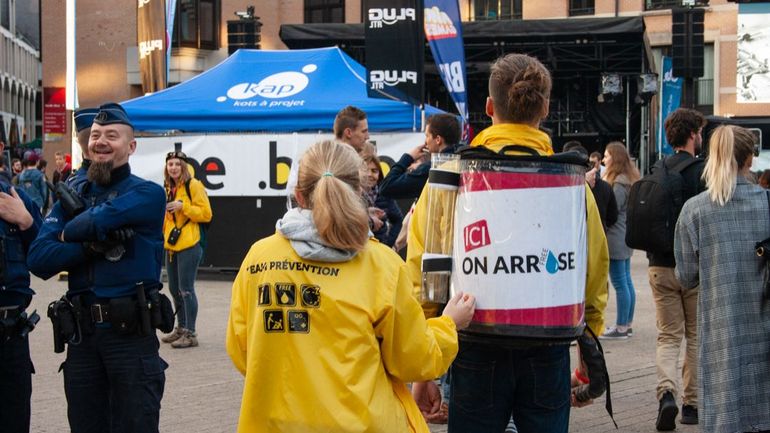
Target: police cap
84,118
111,113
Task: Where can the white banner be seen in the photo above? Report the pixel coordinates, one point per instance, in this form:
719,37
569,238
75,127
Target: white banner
247,165
753,80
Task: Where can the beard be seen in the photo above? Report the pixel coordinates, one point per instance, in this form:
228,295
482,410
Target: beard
100,172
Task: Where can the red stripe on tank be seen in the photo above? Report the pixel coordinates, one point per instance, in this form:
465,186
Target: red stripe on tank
490,181
564,315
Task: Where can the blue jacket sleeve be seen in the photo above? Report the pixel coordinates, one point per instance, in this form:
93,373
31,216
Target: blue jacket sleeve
396,218
48,255
138,207
400,184
29,235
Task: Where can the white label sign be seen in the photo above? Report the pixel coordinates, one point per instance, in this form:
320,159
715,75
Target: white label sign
247,165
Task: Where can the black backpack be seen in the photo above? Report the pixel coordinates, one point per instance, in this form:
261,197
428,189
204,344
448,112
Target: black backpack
654,203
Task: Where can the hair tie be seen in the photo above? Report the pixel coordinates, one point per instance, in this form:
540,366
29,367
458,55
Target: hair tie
328,174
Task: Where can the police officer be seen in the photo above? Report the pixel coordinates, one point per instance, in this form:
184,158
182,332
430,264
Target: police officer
19,224
113,374
84,118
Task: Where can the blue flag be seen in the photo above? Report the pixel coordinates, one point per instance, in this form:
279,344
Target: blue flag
443,30
670,98
170,16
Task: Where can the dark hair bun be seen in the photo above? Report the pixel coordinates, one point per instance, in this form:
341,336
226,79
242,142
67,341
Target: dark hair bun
525,94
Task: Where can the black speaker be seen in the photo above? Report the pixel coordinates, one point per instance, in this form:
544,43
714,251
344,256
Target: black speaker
687,42
243,34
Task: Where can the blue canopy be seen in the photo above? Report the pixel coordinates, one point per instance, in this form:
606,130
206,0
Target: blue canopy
271,91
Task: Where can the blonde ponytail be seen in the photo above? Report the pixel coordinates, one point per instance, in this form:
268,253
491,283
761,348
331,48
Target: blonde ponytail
329,181
721,167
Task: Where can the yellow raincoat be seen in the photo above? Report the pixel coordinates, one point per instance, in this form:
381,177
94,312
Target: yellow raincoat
328,347
495,138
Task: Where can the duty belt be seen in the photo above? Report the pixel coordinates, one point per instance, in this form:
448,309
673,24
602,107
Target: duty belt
100,312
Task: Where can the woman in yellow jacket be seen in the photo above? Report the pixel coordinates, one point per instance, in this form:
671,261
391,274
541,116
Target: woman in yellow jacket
187,206
323,324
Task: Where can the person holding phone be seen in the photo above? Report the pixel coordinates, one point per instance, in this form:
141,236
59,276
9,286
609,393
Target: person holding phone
187,206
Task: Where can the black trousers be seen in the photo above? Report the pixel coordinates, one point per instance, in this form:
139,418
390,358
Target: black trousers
114,383
15,385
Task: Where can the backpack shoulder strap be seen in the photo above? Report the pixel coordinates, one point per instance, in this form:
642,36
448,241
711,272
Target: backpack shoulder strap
187,188
682,166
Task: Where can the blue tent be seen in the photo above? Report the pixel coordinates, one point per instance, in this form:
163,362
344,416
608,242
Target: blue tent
272,91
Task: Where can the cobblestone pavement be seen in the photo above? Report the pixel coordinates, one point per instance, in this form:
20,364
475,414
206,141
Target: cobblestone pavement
203,390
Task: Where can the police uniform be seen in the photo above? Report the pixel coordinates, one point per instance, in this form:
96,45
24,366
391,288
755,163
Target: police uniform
15,295
84,118
113,374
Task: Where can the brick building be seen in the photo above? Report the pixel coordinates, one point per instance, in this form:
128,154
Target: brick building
108,67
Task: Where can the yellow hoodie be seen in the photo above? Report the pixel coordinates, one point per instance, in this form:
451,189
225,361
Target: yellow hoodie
495,138
328,347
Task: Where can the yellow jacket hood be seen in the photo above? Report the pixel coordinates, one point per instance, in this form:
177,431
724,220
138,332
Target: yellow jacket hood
498,136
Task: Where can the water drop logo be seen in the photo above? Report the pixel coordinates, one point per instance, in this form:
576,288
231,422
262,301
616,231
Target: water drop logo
551,264
555,262
280,85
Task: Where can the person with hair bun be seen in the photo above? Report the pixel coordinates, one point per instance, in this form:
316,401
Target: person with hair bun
323,324
494,379
714,246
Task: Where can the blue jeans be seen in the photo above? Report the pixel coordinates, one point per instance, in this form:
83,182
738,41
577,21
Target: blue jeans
490,383
182,268
620,275
15,385
114,383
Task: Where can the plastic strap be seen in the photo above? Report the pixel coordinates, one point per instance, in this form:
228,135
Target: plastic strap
436,263
443,178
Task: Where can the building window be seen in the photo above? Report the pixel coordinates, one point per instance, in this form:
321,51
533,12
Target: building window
5,13
581,7
324,11
661,4
197,24
496,10
704,86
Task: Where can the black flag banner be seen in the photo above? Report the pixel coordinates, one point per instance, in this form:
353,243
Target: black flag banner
395,49
151,38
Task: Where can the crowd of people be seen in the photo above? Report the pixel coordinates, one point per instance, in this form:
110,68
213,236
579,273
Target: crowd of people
328,291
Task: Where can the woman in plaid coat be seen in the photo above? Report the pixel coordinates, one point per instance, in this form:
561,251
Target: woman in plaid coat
714,247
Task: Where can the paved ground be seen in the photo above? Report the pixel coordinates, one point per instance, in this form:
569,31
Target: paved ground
203,390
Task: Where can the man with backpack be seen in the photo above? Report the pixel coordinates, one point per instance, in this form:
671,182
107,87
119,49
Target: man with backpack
496,378
32,181
654,205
